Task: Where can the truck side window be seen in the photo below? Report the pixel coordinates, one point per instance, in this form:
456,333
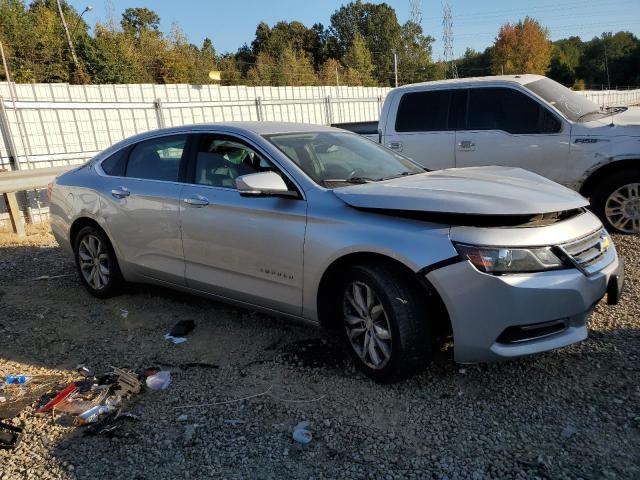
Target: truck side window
423,111
508,110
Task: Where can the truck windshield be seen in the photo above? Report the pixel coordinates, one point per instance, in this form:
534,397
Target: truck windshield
336,159
574,106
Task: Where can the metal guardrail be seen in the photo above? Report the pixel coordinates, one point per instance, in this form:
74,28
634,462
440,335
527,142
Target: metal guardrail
18,180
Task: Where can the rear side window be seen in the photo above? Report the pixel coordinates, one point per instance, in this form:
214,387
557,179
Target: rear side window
157,159
116,163
424,111
508,110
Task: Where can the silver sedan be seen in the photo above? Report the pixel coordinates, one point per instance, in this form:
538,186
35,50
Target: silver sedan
319,224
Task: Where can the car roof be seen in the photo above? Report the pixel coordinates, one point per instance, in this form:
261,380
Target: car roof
494,79
258,128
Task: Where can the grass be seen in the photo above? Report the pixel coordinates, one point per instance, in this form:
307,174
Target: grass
37,234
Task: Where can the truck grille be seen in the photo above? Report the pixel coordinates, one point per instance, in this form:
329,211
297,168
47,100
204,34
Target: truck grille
589,252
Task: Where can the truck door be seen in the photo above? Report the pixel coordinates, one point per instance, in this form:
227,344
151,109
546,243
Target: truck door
507,127
423,127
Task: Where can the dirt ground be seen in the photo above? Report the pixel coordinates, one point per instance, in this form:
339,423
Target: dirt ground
568,414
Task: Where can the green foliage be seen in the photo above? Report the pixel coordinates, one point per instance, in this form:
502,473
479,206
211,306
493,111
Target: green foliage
378,26
358,45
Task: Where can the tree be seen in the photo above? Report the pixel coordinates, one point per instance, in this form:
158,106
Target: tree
414,55
521,48
331,73
378,25
620,52
358,61
473,63
136,20
566,56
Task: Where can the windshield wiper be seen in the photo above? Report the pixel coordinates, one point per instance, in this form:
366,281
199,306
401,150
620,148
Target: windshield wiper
350,180
401,174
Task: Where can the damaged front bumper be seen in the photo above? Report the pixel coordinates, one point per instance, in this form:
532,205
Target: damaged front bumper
509,316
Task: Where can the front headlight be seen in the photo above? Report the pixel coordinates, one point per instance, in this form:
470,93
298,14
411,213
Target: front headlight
499,260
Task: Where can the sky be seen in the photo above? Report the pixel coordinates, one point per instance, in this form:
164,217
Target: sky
231,23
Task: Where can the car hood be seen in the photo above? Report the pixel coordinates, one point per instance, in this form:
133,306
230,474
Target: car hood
468,191
624,123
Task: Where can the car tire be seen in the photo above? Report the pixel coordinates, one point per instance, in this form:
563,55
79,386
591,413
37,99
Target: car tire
97,263
381,307
616,201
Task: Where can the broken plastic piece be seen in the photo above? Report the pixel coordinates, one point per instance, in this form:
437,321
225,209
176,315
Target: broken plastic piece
175,340
159,381
127,382
57,399
301,434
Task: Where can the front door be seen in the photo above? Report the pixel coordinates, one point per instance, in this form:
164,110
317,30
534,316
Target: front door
509,128
248,249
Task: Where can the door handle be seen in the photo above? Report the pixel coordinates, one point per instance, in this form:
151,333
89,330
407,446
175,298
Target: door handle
120,192
196,201
466,145
395,146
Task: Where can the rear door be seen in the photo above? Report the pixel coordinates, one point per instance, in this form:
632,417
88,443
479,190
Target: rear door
505,126
423,127
249,249
141,206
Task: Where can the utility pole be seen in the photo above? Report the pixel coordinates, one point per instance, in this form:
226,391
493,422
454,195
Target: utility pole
447,38
68,35
606,62
337,78
395,66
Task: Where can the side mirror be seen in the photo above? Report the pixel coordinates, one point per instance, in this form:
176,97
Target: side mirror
263,183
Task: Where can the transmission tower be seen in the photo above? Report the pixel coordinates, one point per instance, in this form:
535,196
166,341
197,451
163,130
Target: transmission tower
447,38
415,7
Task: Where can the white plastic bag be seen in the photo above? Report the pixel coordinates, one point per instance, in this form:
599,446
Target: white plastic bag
159,381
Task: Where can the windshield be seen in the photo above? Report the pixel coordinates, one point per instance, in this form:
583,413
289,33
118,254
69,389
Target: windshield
574,106
334,159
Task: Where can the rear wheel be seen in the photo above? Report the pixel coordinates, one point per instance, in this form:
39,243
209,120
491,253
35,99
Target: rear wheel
386,322
617,202
97,264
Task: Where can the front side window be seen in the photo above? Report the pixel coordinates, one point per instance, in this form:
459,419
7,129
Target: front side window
220,160
424,111
503,109
157,159
334,159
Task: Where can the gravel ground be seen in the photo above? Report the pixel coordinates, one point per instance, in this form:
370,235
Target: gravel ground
572,413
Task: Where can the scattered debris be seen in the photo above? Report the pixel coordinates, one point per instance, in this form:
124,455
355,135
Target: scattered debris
124,313
182,328
49,277
10,436
127,382
175,340
159,381
301,434
57,399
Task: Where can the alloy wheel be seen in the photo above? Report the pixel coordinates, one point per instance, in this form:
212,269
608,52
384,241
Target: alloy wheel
623,208
94,262
367,325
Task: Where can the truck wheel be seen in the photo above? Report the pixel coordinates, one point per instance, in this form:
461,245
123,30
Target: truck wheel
97,264
617,201
386,322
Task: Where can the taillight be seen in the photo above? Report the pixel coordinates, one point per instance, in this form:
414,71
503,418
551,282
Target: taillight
49,190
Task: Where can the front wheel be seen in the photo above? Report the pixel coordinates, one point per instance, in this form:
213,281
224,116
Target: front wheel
386,322
617,202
